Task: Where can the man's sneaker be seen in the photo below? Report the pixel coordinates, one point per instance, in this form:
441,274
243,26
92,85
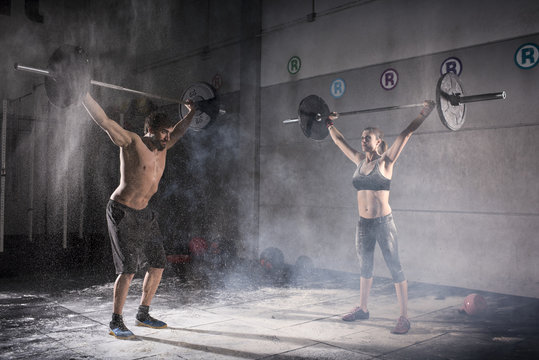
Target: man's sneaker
151,323
356,314
402,327
120,331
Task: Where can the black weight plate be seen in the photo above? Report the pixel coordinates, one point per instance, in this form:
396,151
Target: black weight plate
313,112
207,105
70,81
452,116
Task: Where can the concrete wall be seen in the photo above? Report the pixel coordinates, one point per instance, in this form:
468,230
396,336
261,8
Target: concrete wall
465,202
355,34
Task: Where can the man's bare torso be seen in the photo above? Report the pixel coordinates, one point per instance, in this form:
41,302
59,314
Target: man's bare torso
140,172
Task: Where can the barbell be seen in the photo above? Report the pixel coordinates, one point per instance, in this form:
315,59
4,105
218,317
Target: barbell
450,100
67,80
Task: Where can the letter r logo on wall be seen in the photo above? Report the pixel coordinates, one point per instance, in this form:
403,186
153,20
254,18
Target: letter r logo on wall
451,64
389,79
294,64
337,88
527,56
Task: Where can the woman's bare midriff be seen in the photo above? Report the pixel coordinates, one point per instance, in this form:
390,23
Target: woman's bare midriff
373,204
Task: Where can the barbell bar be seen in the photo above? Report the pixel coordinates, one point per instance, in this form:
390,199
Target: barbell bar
455,100
67,80
99,83
362,111
450,100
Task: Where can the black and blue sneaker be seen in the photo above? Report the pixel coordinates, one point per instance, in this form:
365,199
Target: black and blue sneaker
120,331
150,322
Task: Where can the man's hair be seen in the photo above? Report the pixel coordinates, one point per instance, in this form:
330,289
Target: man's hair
156,121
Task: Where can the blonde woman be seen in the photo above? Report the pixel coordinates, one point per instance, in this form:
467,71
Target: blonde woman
372,180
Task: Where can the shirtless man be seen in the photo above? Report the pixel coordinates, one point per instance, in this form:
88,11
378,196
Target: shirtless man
134,233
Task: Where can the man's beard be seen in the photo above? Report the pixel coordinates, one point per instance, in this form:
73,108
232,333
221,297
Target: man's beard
160,145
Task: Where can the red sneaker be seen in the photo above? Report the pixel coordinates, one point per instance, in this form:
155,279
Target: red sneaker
402,327
356,314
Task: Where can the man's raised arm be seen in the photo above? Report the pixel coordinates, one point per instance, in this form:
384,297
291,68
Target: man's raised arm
117,134
181,126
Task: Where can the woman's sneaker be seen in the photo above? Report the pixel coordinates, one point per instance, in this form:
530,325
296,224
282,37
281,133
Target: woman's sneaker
356,314
402,327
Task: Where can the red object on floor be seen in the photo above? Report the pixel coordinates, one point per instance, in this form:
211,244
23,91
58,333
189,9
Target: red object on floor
178,259
198,246
474,304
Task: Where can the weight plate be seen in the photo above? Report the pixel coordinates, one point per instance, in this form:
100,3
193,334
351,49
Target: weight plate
452,116
313,112
272,259
70,81
207,105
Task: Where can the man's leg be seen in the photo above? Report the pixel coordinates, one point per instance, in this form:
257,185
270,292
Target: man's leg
117,326
149,287
156,262
121,287
118,223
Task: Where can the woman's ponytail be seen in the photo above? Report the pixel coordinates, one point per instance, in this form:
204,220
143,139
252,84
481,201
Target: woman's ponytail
382,147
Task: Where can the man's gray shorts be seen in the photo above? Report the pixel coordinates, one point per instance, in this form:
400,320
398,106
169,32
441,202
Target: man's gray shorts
135,237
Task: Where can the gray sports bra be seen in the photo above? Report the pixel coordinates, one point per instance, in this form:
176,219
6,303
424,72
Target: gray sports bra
372,181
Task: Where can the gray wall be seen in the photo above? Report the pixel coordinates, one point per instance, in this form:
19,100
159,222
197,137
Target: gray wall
355,34
465,202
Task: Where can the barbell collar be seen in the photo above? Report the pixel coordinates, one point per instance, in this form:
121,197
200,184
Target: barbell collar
482,97
456,99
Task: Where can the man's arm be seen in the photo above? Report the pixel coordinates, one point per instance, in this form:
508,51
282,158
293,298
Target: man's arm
181,126
117,134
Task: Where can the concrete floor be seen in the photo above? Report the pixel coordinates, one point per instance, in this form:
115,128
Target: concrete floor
246,314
